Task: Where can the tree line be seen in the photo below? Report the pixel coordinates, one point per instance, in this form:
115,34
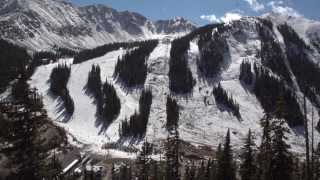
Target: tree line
222,98
172,110
269,89
271,159
45,57
131,69
94,87
136,126
181,80
16,61
13,62
307,72
59,78
271,52
106,99
112,104
88,54
213,47
28,153
246,74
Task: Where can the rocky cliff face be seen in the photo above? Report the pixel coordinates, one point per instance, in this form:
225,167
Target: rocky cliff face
42,24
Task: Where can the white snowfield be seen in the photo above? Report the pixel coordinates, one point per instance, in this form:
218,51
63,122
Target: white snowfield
201,122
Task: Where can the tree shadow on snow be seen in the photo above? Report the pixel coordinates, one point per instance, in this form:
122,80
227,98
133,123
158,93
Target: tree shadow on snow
60,109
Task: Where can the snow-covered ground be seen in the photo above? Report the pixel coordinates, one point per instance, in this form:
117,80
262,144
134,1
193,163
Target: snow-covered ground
201,122
83,125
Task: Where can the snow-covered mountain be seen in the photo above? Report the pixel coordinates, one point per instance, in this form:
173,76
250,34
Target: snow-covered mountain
202,120
42,24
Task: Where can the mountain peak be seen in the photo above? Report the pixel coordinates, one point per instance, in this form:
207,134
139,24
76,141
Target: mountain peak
43,24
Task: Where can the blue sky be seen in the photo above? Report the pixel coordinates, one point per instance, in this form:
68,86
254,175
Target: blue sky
205,11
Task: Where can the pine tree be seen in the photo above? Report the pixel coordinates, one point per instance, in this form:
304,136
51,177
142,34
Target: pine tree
131,69
112,104
226,165
281,162
222,97
172,109
94,87
265,151
248,167
137,125
173,156
144,161
316,170
269,89
181,80
58,86
13,61
27,151
246,74
213,47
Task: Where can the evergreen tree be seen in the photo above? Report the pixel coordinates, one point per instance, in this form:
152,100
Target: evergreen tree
144,161
137,125
306,72
112,105
131,69
13,61
222,97
213,47
94,87
88,54
173,156
265,151
316,170
26,152
248,167
58,86
281,162
246,74
271,52
181,80
226,169
269,90
172,110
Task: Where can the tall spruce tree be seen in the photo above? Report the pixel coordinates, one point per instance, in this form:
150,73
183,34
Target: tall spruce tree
281,162
248,166
144,161
226,169
316,169
265,152
112,104
94,87
173,156
172,109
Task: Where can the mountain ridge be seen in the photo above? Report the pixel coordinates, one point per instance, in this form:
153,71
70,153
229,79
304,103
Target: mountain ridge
43,24
203,118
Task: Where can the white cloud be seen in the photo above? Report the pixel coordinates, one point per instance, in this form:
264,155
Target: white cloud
210,18
229,16
275,3
255,5
278,7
